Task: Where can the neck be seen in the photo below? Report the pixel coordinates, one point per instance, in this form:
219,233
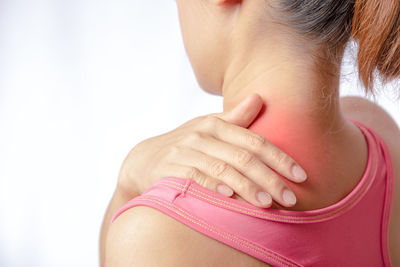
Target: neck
295,96
297,115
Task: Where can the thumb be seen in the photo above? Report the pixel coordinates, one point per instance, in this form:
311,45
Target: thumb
243,113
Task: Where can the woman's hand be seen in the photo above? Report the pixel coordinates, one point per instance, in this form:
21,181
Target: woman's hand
217,152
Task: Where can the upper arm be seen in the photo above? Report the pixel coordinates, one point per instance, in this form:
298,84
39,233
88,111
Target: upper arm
142,236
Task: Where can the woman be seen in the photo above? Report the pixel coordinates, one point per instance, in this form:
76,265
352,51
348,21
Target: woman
289,52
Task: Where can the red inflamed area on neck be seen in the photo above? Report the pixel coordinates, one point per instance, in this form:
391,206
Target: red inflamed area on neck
288,130
296,135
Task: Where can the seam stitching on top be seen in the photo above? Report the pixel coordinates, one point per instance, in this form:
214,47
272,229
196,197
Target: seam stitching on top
250,211
269,215
261,250
183,189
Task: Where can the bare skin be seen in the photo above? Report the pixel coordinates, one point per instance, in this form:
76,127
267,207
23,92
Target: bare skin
133,237
236,51
212,150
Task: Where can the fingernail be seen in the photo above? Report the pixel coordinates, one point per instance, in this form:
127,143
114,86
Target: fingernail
289,197
264,198
299,173
224,190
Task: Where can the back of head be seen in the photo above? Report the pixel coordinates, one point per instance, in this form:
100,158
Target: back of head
374,24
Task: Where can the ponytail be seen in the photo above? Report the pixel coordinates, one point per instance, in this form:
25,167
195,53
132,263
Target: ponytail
376,27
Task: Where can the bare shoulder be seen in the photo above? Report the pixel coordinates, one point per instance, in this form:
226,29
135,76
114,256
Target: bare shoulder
374,116
371,114
143,236
377,118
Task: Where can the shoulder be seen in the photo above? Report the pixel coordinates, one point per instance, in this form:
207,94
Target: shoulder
143,236
377,118
372,115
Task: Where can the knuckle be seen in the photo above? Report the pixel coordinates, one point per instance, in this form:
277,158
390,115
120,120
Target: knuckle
219,168
193,137
281,158
192,173
211,122
256,141
201,180
243,158
245,187
274,183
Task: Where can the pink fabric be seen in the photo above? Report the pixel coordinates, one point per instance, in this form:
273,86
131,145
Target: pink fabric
351,232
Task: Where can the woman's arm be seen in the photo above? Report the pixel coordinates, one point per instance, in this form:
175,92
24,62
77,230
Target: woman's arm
119,198
143,236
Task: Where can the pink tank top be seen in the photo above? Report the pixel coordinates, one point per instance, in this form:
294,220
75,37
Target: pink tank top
351,232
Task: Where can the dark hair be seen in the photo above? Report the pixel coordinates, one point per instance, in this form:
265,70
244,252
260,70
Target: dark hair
374,24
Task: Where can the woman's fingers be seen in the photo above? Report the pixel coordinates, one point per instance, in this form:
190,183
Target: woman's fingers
211,172
271,155
239,157
261,147
244,113
202,179
247,164
232,126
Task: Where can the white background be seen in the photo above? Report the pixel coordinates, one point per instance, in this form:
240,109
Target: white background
82,82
